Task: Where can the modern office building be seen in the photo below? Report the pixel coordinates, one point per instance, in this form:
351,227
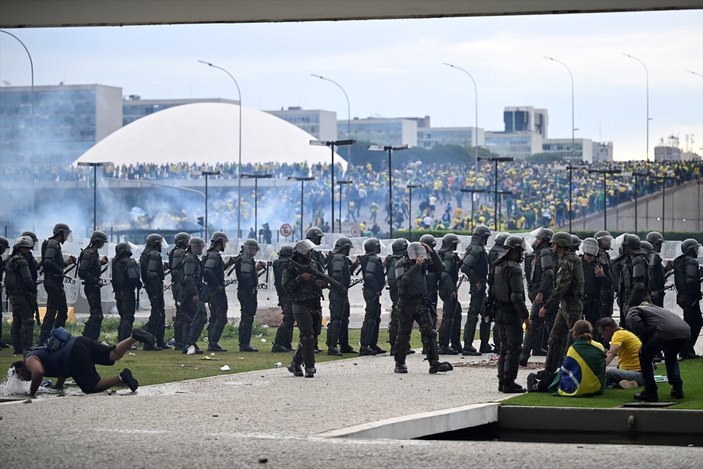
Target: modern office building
321,124
518,119
133,107
464,136
518,145
63,122
381,131
602,151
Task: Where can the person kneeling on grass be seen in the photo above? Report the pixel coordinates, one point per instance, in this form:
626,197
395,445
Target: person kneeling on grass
63,356
626,346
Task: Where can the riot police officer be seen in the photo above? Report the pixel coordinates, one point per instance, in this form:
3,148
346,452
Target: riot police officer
432,279
4,245
31,261
687,278
152,269
399,248
315,235
448,292
284,334
567,296
475,266
596,277
247,281
192,296
213,274
339,268
508,298
412,306
125,283
22,290
657,271
89,271
634,281
539,270
53,265
497,248
607,292
175,262
306,293
374,282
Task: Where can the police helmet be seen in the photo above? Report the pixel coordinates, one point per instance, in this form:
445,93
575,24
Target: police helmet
514,242
23,242
372,245
196,245
123,249
304,246
632,241
4,244
250,246
690,245
654,237
314,234
62,228
399,245
450,239
153,239
647,247
562,239
575,242
543,234
416,250
481,230
590,246
182,239
429,240
342,243
286,251
604,239
32,236
98,237
500,238
219,236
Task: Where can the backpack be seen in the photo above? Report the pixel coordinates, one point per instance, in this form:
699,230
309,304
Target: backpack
56,340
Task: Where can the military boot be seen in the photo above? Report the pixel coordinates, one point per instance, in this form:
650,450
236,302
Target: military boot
440,367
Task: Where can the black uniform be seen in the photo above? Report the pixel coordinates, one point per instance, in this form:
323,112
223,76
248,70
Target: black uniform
339,268
190,286
634,281
214,276
152,269
22,290
125,282
450,329
56,307
389,266
175,261
688,287
607,292
412,307
475,266
539,270
321,260
657,280
432,282
374,282
2,274
617,268
284,334
89,271
593,287
493,255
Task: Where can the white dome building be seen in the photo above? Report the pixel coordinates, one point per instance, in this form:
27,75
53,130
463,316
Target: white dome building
208,133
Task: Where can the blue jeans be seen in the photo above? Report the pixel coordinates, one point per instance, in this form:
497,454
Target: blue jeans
615,375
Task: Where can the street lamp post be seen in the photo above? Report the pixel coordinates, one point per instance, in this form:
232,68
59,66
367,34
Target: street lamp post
95,188
332,144
239,161
256,178
389,149
346,96
646,74
663,179
410,208
495,160
605,173
570,168
302,192
472,192
207,174
341,183
500,201
475,110
573,126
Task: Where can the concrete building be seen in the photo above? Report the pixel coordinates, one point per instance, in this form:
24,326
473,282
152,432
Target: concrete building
519,145
381,131
602,151
67,120
321,124
518,119
667,152
465,136
133,107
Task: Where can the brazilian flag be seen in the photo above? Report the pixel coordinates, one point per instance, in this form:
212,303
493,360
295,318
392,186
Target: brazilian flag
582,372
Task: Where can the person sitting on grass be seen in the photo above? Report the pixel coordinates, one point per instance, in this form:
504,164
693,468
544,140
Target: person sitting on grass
626,346
582,372
63,356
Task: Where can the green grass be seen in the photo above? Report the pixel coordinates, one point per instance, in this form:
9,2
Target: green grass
172,366
691,372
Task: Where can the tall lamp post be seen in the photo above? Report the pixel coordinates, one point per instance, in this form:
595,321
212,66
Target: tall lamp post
346,96
570,168
605,173
302,192
495,160
390,149
239,160
573,126
500,201
207,174
332,144
410,208
475,110
472,192
256,178
646,75
95,188
663,179
341,184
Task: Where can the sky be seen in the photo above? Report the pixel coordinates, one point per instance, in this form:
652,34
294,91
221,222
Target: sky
394,68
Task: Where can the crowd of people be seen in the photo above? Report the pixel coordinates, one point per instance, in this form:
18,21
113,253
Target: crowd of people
570,322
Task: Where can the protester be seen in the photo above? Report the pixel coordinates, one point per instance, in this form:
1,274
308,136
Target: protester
582,372
626,346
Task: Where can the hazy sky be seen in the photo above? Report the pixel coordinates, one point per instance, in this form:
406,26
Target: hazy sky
394,68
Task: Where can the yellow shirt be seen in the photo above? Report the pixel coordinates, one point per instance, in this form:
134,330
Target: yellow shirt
628,353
